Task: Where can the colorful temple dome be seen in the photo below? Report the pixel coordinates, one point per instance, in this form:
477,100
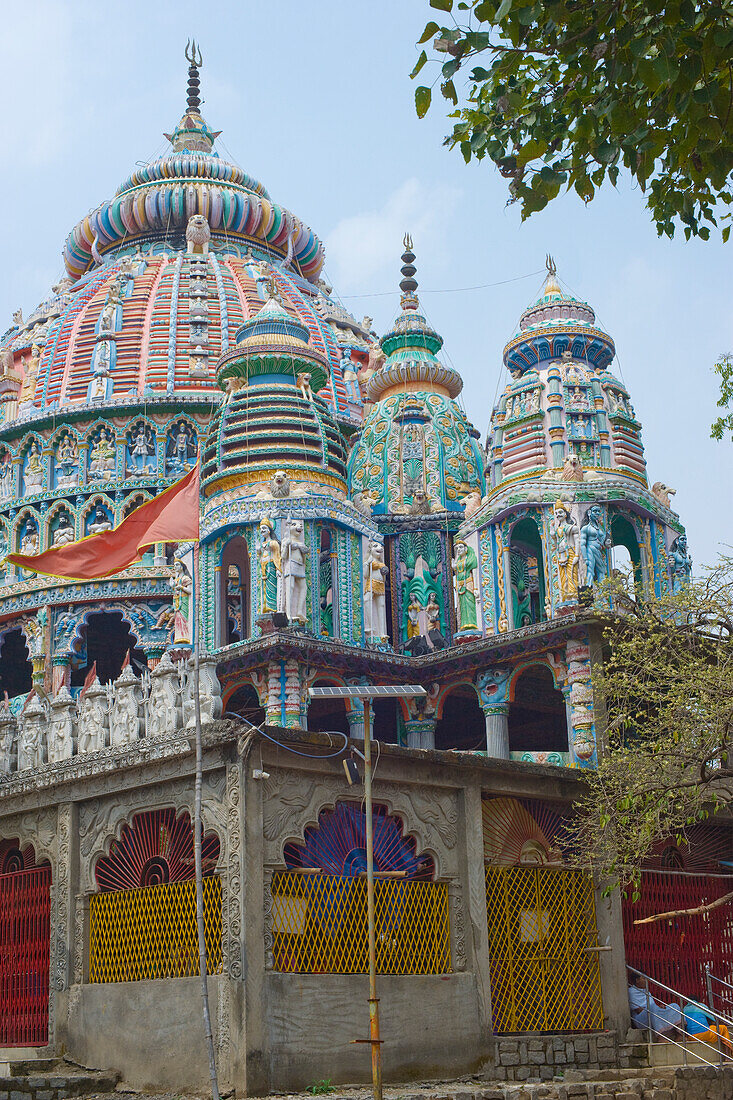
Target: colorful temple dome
417,451
272,419
563,410
556,323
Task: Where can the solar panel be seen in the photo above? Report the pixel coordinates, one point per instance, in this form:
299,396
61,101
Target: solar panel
368,691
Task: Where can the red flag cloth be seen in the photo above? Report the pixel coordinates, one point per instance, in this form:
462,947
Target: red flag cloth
172,516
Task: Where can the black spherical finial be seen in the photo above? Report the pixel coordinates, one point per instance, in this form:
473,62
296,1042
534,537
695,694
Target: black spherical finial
408,283
193,56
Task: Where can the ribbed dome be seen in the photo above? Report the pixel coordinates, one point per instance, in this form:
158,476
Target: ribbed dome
555,323
271,418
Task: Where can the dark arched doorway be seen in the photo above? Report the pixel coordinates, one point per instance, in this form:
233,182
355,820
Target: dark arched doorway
625,553
537,713
327,714
245,702
234,594
527,574
16,670
462,725
108,642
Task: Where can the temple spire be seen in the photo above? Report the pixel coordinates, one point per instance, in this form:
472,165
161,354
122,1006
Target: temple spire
408,283
551,284
192,134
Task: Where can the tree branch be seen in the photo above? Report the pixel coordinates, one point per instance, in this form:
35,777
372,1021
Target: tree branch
687,912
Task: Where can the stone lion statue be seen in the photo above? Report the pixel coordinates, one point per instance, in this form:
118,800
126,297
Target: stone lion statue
663,493
471,503
280,487
198,235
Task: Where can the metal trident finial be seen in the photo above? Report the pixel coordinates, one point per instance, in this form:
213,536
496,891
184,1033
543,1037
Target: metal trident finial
193,53
407,242
550,265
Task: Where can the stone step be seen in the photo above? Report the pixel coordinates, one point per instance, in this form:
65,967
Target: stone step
694,1053
56,1085
11,1067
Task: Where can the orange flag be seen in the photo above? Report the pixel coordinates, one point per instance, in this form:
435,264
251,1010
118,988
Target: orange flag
172,516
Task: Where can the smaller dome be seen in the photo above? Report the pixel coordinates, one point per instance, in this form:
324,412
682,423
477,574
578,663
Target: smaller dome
272,418
555,323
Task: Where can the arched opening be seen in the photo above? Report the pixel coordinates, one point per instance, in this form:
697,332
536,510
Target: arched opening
462,725
385,725
327,714
245,701
234,607
16,670
154,848
108,641
326,583
527,574
625,553
537,714
25,936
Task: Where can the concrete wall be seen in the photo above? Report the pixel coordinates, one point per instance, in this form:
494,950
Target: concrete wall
151,1033
429,1025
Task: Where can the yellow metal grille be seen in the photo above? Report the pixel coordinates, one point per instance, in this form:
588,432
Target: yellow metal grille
148,933
320,925
540,923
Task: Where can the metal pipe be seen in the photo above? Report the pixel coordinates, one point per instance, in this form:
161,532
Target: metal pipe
198,867
373,999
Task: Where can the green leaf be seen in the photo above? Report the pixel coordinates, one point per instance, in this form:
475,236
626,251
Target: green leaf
442,5
420,62
423,97
429,31
503,10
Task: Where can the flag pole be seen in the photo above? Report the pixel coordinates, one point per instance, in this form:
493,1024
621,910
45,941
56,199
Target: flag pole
197,828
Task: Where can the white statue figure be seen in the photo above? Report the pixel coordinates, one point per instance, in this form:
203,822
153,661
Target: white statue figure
375,575
198,235
164,704
102,457
100,522
61,727
64,533
303,382
93,715
181,583
8,739
124,715
6,477
663,493
209,694
33,478
31,749
29,542
294,553
108,316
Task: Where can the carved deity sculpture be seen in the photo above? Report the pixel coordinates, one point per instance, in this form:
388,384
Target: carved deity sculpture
414,609
164,703
6,477
432,614
375,575
294,554
100,522
567,536
29,541
270,565
64,533
31,749
102,457
464,564
108,316
142,450
30,377
33,478
67,462
124,715
8,739
61,727
93,715
680,563
181,450
594,541
182,585
209,694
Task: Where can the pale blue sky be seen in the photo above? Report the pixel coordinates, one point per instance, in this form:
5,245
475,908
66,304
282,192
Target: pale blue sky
315,100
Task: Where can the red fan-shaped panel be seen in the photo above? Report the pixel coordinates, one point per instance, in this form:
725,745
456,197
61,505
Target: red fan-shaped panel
518,831
156,847
13,858
337,844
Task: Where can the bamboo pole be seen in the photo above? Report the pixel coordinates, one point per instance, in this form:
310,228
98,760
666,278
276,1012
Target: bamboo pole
197,829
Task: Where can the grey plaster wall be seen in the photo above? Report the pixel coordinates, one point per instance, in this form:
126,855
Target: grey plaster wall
151,1033
429,1023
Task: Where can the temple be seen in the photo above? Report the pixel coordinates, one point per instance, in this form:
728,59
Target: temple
354,530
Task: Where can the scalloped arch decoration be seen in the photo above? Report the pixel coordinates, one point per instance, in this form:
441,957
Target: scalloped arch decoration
155,847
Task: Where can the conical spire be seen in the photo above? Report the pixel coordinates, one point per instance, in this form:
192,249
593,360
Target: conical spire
192,134
408,283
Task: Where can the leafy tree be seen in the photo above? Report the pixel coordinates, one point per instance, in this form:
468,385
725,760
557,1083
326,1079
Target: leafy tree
666,686
724,423
564,93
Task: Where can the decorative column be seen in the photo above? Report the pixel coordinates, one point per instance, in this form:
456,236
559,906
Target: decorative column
420,732
493,689
355,718
554,408
581,730
61,674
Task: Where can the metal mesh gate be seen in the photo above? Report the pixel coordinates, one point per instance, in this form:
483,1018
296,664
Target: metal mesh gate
25,924
541,922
